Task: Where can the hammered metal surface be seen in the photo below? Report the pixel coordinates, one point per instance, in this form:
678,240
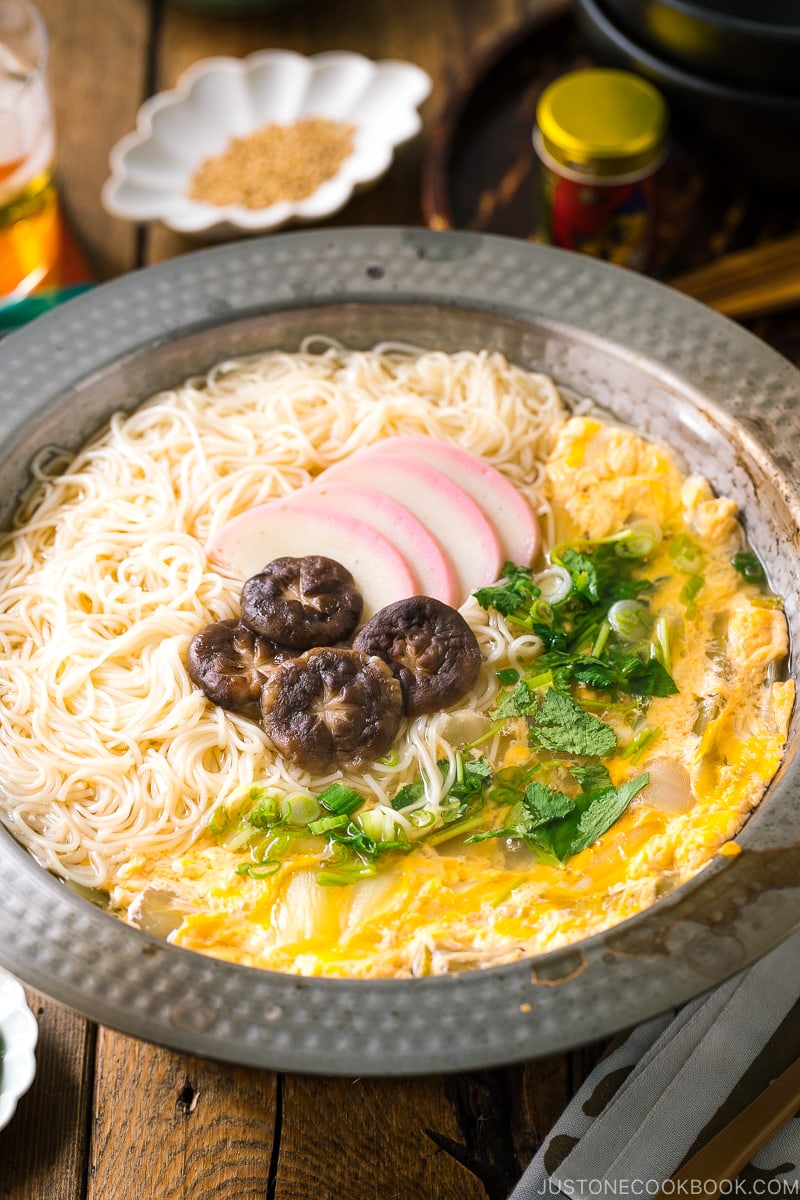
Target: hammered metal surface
653,358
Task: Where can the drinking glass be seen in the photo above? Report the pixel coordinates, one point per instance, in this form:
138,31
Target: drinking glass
29,224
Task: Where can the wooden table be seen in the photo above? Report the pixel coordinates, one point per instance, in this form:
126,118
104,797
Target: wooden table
110,1118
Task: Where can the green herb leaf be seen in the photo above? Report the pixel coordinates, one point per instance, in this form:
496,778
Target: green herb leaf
408,794
478,768
545,803
519,703
561,724
592,777
646,678
584,574
517,591
508,676
604,811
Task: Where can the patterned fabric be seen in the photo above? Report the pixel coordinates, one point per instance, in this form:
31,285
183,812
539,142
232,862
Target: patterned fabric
673,1084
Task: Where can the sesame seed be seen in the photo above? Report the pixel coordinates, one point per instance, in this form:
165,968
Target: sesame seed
275,163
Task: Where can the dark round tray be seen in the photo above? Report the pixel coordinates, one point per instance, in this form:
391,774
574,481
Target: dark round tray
480,170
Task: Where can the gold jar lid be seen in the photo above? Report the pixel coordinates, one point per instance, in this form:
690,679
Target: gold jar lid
602,121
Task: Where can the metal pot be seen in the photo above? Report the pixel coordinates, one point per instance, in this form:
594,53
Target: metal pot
757,131
743,43
653,358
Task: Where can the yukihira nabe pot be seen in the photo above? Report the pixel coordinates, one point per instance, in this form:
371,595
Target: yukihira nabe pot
654,359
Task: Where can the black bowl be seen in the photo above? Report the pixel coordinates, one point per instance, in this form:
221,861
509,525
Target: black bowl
745,43
759,131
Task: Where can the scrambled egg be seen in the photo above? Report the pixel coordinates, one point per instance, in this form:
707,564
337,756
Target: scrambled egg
714,747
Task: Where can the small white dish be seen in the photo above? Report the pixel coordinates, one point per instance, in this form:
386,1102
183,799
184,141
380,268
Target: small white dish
18,1035
218,99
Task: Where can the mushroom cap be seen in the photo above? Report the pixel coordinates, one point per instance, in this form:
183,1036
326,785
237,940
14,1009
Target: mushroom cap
331,708
230,662
302,602
429,647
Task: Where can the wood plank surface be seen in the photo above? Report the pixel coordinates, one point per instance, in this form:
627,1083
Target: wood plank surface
44,1150
178,1127
371,1139
99,62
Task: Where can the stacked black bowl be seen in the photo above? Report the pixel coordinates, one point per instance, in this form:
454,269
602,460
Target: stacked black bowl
730,70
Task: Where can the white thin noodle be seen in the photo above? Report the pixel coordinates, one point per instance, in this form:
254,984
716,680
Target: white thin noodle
107,749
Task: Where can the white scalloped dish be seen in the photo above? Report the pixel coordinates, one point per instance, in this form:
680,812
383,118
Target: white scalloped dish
219,99
18,1036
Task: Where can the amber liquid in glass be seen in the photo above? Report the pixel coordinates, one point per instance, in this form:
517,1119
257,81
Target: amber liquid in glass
29,237
29,224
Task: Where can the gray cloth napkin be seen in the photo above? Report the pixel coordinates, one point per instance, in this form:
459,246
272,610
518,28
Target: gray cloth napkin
675,1082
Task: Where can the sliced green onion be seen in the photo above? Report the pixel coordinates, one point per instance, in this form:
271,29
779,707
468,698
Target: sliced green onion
267,812
338,798
218,820
555,584
326,824
300,809
346,873
356,839
689,591
271,846
662,644
378,825
542,611
391,759
542,680
686,555
630,620
241,835
746,563
637,541
261,871
422,818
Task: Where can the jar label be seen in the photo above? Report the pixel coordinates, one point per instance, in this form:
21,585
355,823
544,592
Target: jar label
611,221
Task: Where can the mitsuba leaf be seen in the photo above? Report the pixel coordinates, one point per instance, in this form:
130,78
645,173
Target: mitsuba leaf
592,777
408,794
553,639
516,590
646,677
519,703
479,768
594,673
538,807
604,811
545,803
584,574
561,724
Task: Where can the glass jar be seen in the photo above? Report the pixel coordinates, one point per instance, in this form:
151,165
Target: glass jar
600,136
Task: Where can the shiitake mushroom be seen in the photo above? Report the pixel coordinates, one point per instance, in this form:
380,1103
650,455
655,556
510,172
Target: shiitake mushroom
429,647
326,707
230,662
302,602
331,708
